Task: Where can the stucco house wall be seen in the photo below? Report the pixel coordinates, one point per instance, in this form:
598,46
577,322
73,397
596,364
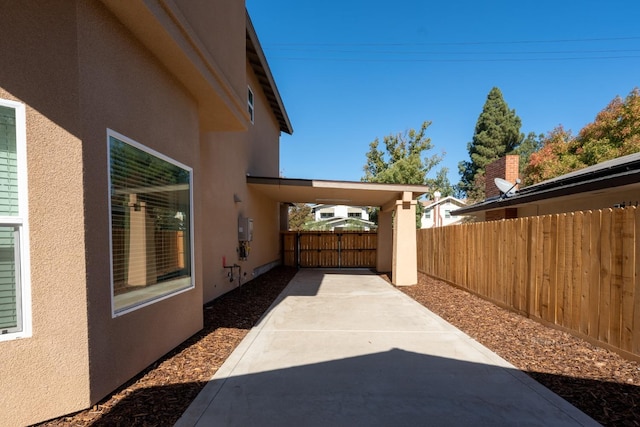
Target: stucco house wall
35,369
82,69
125,89
226,197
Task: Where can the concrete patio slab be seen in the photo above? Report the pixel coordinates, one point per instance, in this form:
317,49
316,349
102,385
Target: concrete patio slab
345,348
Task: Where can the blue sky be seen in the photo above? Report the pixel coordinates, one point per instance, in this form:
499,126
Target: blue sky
349,71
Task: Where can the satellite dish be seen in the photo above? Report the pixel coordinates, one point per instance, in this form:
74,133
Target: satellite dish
506,188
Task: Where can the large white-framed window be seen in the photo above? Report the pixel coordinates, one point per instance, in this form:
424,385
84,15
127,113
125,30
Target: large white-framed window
151,222
15,284
250,103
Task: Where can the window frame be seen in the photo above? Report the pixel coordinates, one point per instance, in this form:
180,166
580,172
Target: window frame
21,225
115,312
251,97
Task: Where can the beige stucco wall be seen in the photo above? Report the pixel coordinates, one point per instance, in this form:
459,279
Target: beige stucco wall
124,88
264,134
48,373
226,160
80,71
220,26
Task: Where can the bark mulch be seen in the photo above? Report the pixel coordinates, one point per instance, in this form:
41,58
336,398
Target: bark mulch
599,382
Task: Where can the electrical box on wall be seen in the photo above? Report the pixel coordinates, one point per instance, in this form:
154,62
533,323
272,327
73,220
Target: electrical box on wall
245,229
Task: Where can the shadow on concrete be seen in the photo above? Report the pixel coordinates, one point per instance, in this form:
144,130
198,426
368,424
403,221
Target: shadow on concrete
394,388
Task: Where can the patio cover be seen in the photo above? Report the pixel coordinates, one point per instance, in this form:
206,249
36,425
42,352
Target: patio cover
352,193
397,251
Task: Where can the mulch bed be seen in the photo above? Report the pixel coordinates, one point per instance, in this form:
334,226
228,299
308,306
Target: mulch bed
599,382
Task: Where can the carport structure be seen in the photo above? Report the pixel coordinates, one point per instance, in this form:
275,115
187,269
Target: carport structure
397,251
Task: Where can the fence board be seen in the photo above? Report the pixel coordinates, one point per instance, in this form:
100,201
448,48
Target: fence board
635,334
615,304
574,274
562,257
605,276
628,277
585,288
594,273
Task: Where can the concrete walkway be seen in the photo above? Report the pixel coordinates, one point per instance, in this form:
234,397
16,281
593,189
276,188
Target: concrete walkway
345,348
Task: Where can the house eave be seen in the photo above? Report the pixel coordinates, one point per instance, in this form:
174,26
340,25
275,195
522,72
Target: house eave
260,67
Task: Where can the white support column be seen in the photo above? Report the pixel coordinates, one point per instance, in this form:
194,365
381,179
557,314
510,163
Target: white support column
405,255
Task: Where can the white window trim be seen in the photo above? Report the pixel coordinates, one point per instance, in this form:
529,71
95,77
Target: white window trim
251,103
118,313
24,310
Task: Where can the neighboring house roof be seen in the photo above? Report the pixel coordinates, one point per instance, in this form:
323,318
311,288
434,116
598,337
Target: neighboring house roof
618,172
428,204
336,221
260,67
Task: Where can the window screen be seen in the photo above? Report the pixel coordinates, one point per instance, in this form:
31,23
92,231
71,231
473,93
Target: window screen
150,225
10,224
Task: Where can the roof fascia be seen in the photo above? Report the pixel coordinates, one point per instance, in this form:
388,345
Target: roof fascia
595,184
258,62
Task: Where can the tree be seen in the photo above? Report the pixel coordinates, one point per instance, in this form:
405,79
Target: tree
531,144
401,160
497,133
299,215
556,157
615,132
441,183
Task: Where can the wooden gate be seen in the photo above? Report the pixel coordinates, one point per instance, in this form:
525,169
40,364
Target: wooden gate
329,249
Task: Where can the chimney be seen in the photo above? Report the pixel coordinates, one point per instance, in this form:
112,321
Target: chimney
506,167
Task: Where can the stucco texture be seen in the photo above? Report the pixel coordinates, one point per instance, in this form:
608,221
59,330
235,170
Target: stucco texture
36,383
123,88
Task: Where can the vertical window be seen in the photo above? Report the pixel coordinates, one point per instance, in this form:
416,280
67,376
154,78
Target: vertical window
250,103
427,213
15,319
447,213
151,225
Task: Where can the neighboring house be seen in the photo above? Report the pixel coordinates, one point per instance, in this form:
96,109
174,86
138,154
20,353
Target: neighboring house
610,184
127,130
338,217
440,213
321,212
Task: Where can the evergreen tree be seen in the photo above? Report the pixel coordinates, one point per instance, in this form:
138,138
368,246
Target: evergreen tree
497,133
441,183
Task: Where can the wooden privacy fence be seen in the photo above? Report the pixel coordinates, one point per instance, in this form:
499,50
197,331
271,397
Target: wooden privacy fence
578,271
329,249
